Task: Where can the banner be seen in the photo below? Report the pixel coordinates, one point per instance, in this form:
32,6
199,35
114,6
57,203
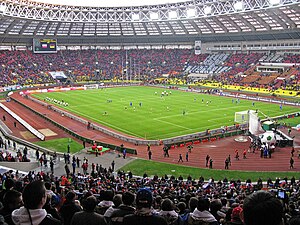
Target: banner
197,47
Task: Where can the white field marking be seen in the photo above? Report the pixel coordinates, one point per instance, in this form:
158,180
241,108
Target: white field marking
196,112
173,124
215,119
108,124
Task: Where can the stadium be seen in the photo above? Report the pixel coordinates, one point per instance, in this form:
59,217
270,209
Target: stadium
181,89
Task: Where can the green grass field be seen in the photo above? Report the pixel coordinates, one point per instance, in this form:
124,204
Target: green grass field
61,145
158,117
139,167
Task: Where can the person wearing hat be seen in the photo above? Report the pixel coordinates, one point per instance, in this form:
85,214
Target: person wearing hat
144,213
235,216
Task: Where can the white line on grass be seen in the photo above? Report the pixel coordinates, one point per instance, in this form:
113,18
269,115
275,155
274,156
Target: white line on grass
173,124
108,124
192,113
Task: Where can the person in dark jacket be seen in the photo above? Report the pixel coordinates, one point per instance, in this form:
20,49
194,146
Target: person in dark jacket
144,213
262,208
12,200
50,209
88,215
124,209
34,198
69,208
168,212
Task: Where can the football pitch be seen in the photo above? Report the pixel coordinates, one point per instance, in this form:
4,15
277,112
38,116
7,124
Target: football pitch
143,112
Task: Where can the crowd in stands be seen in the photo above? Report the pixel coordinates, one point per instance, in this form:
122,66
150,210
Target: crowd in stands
104,197
26,68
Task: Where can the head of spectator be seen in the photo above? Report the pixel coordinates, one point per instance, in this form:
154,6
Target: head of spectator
215,209
157,202
34,198
107,195
202,214
89,204
144,212
9,183
70,196
181,208
128,198
262,208
88,215
107,201
193,203
117,200
235,215
294,220
203,204
34,195
144,198
168,212
12,200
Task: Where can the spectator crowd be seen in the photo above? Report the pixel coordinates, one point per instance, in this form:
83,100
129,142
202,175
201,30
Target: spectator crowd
26,68
104,197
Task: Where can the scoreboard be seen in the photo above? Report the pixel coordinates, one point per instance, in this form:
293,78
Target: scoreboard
44,45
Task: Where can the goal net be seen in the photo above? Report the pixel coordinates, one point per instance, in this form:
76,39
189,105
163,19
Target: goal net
251,117
241,117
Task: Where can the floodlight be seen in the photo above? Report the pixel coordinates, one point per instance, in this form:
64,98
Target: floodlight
154,16
191,12
238,6
135,17
274,2
172,14
207,10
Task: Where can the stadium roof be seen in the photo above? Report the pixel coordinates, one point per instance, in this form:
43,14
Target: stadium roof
111,3
183,22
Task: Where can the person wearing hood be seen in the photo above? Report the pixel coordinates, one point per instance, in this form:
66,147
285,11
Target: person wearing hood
32,213
201,214
168,212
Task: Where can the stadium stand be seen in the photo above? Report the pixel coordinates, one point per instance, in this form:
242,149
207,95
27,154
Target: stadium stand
245,44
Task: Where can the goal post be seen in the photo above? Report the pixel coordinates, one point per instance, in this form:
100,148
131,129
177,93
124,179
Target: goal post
241,117
251,118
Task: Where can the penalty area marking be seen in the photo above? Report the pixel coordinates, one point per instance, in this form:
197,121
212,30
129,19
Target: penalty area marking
173,124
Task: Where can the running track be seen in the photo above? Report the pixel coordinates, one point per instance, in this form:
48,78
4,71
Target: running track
218,150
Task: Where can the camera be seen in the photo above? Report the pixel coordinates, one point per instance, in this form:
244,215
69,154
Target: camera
281,194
